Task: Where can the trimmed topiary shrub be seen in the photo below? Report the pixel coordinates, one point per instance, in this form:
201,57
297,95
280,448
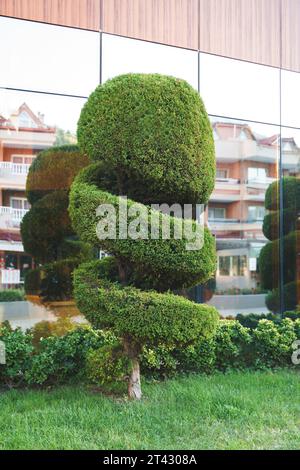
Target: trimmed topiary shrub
291,297
153,136
46,226
155,128
46,230
269,256
54,170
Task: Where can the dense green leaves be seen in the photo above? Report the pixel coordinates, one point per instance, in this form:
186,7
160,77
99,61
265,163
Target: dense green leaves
288,216
54,169
150,139
154,128
46,230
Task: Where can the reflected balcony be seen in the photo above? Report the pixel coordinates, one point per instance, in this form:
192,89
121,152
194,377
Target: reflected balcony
230,151
232,225
13,175
11,218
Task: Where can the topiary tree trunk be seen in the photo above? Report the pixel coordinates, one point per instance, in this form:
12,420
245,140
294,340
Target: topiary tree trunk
150,139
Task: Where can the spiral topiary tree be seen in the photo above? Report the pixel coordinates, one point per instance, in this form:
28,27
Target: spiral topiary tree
269,255
150,139
46,229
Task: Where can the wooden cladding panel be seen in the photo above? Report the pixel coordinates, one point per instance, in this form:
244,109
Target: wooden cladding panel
173,22
76,13
243,29
291,34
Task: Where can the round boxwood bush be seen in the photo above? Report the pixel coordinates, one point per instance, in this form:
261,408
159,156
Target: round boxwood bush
269,261
54,169
152,127
291,194
271,223
291,297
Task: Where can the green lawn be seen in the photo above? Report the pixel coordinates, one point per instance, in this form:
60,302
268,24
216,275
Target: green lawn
234,411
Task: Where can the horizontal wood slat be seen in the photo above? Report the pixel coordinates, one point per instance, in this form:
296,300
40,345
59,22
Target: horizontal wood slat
76,13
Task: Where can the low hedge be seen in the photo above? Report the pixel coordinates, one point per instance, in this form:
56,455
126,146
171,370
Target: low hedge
91,355
11,295
252,319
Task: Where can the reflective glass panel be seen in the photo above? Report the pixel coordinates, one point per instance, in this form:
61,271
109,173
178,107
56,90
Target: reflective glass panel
238,89
123,55
247,156
29,123
290,151
290,98
42,57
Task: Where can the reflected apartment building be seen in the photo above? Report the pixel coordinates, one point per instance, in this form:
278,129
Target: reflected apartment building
247,163
22,135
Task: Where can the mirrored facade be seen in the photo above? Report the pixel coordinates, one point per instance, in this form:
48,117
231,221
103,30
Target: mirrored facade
247,157
254,113
233,88
48,58
123,55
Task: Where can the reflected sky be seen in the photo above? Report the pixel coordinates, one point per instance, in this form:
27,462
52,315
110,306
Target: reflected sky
122,55
240,89
42,57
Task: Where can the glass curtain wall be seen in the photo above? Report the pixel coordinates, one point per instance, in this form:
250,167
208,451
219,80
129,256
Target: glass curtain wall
49,71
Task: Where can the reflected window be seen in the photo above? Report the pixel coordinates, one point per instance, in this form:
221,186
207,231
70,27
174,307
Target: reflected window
224,265
256,212
123,55
216,213
239,265
238,89
42,57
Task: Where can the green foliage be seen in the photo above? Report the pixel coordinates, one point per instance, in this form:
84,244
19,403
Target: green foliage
163,263
11,295
272,343
271,223
269,255
251,320
154,128
291,194
59,353
61,359
107,364
57,280
150,139
54,170
269,262
44,329
290,297
46,229
142,315
19,349
46,226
